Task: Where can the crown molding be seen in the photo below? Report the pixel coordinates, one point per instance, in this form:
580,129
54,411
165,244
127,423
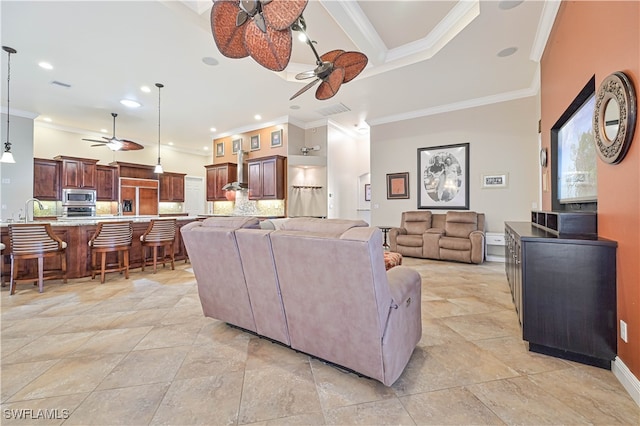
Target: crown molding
545,25
20,113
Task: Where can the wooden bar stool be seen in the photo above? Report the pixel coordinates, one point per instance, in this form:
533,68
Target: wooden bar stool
36,241
111,237
160,233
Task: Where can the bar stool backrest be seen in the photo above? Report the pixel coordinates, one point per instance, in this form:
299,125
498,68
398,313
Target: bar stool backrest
160,230
112,234
31,238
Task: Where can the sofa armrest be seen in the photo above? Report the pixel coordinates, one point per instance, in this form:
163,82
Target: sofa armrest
430,243
393,237
477,246
403,281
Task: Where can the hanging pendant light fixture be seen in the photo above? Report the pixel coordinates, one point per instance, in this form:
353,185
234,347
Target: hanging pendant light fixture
158,168
7,156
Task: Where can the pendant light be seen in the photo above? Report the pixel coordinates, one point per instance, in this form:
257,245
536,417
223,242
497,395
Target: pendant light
7,156
158,168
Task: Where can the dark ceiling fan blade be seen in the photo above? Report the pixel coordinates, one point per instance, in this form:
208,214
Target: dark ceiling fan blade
353,64
228,37
271,49
331,55
331,85
305,88
282,14
129,145
95,140
305,75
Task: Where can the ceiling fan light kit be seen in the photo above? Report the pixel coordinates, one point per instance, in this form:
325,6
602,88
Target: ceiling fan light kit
115,144
7,156
262,29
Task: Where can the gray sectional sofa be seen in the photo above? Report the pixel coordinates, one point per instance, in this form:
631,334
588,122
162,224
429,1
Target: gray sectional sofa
316,285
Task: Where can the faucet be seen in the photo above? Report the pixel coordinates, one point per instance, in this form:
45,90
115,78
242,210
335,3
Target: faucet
26,208
119,209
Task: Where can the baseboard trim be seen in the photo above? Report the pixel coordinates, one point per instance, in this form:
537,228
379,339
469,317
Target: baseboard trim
492,258
627,379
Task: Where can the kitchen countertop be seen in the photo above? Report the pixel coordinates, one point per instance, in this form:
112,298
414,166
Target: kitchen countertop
84,221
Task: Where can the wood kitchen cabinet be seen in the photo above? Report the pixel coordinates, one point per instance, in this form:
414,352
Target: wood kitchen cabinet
46,179
107,183
78,172
172,187
218,175
266,178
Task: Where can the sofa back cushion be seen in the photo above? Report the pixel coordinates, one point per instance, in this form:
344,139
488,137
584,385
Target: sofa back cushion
232,222
461,224
336,294
416,222
328,227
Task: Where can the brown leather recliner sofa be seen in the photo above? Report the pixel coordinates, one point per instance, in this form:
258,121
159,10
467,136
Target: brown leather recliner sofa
316,285
457,236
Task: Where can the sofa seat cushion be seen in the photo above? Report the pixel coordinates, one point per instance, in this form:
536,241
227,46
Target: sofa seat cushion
391,259
409,240
453,243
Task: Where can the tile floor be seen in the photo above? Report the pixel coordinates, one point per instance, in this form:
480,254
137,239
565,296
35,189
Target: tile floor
140,352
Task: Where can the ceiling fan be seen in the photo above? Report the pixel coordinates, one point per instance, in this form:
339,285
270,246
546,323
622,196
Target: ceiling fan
115,144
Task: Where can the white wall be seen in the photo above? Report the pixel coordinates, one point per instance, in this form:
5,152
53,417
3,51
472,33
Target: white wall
17,179
503,139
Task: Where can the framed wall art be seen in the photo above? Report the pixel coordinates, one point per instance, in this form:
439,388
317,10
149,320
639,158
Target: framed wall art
220,149
367,192
495,180
443,177
255,142
276,138
236,145
397,185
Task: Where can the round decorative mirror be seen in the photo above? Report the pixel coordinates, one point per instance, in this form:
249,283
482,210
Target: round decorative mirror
614,118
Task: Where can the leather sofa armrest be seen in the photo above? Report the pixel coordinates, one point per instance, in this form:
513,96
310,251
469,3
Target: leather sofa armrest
403,281
393,235
430,243
477,246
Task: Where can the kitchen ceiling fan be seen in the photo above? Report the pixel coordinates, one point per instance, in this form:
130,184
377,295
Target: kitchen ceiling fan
115,144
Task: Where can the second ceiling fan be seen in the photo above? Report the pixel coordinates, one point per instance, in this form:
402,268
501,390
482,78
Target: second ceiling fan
115,144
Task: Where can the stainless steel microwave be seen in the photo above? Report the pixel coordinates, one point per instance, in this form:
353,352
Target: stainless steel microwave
78,197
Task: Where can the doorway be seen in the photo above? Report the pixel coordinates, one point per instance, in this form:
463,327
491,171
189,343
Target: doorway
194,201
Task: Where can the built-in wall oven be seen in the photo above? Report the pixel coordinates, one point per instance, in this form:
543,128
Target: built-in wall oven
78,202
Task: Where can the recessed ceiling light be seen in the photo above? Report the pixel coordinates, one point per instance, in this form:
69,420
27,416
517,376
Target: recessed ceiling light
507,52
145,89
206,148
509,4
104,130
294,107
130,103
170,143
213,129
210,61
257,117
45,65
47,119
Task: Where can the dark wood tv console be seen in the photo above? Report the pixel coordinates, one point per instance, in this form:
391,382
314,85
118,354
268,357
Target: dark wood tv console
564,289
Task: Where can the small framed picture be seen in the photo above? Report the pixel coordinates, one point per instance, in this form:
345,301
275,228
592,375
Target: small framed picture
220,149
495,180
276,138
255,142
367,192
236,145
397,185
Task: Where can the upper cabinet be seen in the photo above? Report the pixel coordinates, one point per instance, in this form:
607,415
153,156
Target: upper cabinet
172,187
78,172
218,175
107,183
46,179
267,178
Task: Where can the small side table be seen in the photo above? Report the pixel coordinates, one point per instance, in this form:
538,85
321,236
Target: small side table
385,231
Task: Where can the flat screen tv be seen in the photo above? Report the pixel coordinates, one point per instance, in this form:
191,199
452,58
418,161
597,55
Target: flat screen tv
575,159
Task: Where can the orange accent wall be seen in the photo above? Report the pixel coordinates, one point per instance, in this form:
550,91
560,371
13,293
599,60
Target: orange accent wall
598,38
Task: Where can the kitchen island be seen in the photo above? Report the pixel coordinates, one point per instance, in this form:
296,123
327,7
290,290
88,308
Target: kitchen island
77,233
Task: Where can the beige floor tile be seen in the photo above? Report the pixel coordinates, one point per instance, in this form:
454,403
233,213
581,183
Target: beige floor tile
435,332
17,376
46,411
520,401
443,308
201,401
170,336
146,367
70,376
592,392
51,346
263,353
215,331
126,406
140,318
337,388
31,327
455,406
112,341
485,326
214,359
386,412
310,419
88,322
275,392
